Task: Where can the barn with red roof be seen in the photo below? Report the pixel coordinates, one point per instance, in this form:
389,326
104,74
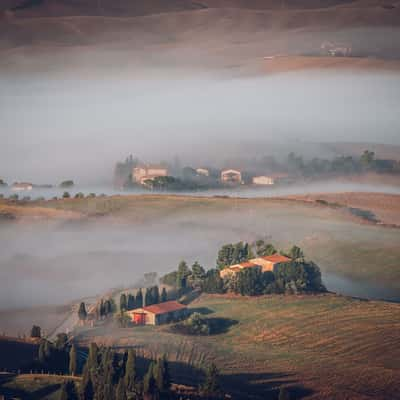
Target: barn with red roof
157,314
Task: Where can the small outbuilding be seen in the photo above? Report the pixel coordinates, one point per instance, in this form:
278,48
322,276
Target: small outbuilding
157,314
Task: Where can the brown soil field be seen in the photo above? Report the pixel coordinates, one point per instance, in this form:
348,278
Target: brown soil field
281,64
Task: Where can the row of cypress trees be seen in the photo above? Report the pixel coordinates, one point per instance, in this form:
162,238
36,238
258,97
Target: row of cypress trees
152,296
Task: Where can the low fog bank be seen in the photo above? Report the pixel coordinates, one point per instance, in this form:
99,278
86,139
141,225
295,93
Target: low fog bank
52,263
55,129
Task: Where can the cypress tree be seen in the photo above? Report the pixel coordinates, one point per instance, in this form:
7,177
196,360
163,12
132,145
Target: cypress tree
159,375
47,349
121,391
82,314
87,390
166,373
284,394
139,299
68,391
131,302
64,393
73,367
122,302
130,371
148,297
36,331
102,309
164,295
41,354
93,357
149,383
211,387
156,295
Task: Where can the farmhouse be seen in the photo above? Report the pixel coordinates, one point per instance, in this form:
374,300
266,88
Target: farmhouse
231,176
268,263
269,179
157,314
18,186
148,172
265,263
203,171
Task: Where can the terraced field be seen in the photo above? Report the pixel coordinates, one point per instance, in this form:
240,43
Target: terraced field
321,346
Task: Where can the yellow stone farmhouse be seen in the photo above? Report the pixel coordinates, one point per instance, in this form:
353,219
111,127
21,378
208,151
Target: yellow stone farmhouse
266,263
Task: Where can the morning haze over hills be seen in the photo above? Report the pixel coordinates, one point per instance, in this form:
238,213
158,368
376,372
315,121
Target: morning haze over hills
199,199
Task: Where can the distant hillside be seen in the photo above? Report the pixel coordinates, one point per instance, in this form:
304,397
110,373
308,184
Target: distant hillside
146,7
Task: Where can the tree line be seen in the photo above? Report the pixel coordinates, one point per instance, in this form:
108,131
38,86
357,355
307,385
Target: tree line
109,375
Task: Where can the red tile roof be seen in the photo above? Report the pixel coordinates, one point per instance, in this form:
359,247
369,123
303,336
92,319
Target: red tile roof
276,258
248,264
166,307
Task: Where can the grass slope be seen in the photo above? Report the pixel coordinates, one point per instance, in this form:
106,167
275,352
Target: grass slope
324,346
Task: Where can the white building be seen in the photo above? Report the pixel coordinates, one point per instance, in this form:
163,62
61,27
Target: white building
145,172
19,186
231,176
203,171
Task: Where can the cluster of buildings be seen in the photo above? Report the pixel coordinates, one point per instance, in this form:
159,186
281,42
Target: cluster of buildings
142,173
266,263
336,49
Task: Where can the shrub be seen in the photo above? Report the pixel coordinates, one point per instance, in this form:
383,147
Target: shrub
196,324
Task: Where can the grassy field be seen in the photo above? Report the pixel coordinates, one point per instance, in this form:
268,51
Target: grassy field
322,346
35,386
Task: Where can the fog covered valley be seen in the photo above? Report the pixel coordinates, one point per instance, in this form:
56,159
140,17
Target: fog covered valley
55,262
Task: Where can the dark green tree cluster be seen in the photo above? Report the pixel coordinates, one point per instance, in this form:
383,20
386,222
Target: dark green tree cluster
185,278
196,324
36,332
152,296
236,253
291,277
342,165
212,282
210,388
69,391
108,375
106,308
264,249
53,357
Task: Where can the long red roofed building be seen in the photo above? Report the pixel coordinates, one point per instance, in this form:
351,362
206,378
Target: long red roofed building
160,313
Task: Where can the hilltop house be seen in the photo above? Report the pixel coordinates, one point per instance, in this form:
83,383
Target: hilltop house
157,314
231,176
266,263
141,173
